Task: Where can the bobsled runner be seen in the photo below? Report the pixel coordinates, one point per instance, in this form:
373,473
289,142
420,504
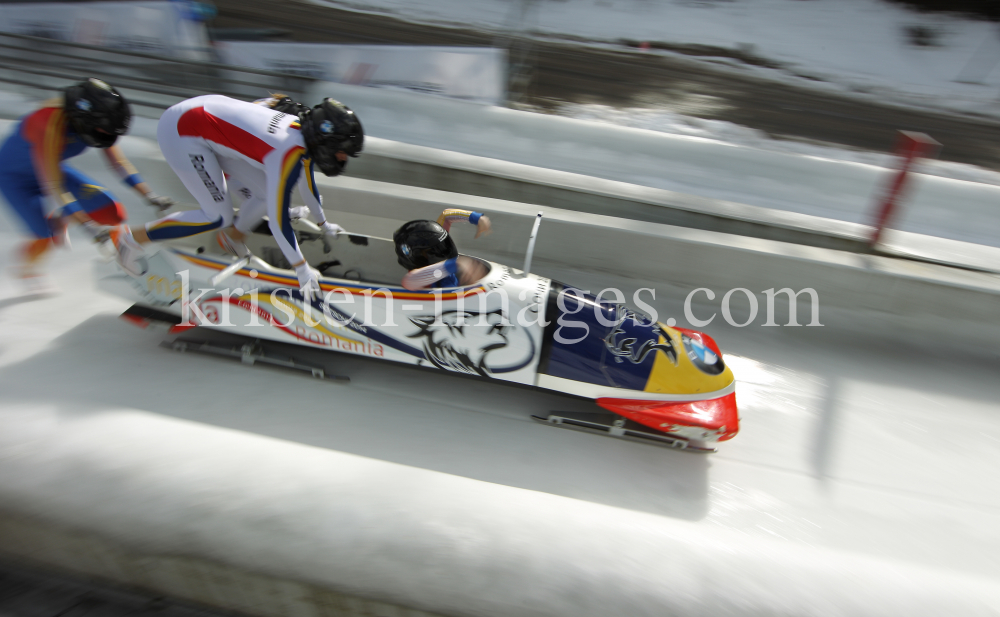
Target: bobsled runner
649,382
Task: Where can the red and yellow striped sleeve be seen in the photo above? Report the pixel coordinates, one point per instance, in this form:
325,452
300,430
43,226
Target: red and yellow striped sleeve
45,131
453,215
282,175
291,167
307,169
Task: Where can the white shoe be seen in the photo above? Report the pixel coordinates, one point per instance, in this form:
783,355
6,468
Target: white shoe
236,248
107,250
33,281
131,256
39,285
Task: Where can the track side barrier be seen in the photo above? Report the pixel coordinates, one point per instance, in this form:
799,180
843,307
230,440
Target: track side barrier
897,295
420,166
910,148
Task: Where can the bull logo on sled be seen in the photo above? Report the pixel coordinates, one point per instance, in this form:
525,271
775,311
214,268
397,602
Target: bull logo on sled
473,343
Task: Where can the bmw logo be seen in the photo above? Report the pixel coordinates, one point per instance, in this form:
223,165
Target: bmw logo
706,360
326,127
83,105
405,248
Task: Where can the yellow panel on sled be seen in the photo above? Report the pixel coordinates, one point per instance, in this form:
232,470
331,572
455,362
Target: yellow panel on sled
685,377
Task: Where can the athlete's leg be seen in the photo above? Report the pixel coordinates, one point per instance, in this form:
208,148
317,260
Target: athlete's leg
28,203
95,200
252,212
26,200
198,168
233,239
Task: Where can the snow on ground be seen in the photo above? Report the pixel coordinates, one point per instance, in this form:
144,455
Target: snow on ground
851,46
674,123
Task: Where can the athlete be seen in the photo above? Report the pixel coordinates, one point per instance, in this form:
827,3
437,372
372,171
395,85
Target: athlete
426,249
207,137
253,209
89,114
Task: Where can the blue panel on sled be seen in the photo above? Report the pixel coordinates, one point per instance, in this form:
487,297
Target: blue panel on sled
562,354
581,348
631,349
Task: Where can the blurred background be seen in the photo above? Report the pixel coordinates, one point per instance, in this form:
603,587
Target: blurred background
722,144
849,74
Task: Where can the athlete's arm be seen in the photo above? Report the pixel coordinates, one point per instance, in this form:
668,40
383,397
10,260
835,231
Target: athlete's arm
423,278
125,170
467,270
282,168
45,131
453,215
310,192
128,174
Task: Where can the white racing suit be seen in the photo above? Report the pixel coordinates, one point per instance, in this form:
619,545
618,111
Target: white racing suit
208,137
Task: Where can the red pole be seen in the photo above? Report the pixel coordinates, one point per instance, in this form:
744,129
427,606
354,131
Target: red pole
909,147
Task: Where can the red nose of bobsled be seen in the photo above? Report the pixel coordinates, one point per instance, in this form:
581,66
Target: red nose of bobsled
712,420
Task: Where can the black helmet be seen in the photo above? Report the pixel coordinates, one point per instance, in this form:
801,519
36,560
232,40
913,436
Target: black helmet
329,128
97,112
422,243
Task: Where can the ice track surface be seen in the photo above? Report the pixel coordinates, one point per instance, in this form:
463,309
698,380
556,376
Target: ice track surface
848,442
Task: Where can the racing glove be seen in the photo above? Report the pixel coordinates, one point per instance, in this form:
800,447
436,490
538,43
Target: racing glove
97,233
101,237
308,281
330,230
160,202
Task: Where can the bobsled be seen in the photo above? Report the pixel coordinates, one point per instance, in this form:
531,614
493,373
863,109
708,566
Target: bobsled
649,382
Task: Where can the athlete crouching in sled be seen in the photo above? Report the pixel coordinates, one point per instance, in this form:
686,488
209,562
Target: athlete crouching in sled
89,114
426,249
207,137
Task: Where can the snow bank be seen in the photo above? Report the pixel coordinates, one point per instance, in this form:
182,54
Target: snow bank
855,46
156,488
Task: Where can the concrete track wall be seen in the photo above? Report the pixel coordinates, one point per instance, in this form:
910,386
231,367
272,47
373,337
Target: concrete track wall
420,166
